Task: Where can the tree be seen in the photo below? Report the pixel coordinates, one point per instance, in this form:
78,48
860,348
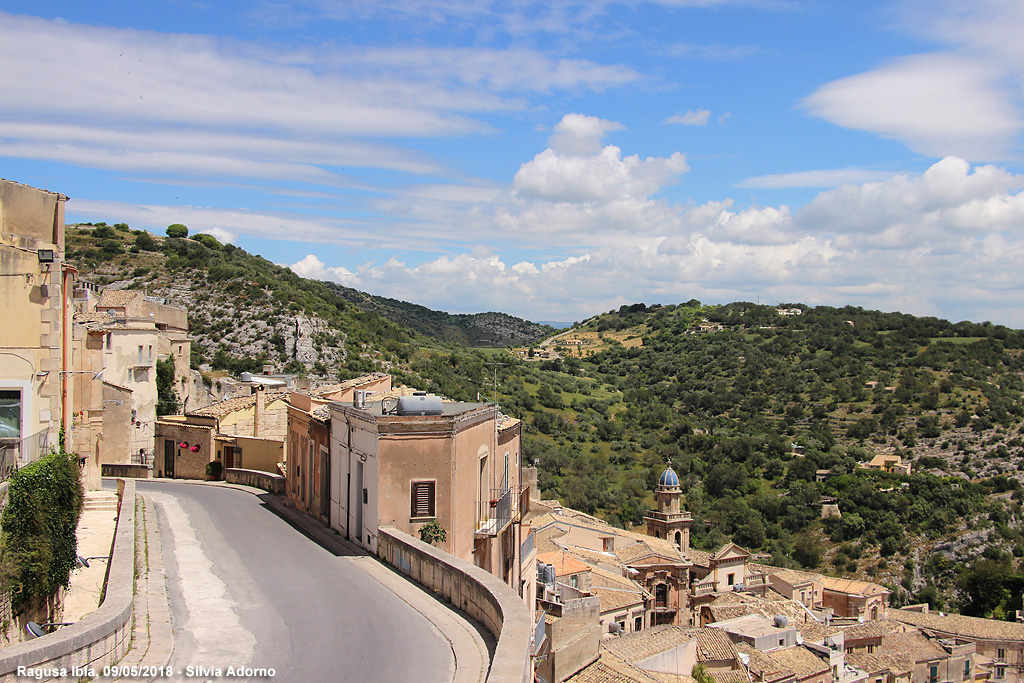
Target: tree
166,395
177,230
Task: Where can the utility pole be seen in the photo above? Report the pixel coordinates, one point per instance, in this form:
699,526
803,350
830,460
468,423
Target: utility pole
495,364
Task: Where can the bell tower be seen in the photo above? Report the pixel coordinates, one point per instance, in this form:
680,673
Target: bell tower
668,521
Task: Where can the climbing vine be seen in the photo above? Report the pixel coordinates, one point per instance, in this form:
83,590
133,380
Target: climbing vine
38,541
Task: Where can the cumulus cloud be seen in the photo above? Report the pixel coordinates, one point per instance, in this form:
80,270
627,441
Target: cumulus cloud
944,242
690,118
580,135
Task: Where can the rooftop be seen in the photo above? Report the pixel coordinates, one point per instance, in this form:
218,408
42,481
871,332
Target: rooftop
712,644
852,587
564,563
955,624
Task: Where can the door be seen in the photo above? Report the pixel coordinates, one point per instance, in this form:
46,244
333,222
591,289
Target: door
325,485
359,501
169,458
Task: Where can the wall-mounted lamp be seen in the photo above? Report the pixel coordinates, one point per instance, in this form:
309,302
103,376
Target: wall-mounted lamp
45,255
114,401
84,561
36,630
42,374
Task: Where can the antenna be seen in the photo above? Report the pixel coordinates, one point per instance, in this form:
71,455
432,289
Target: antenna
495,364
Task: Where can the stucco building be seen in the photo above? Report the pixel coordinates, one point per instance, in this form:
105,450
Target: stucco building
35,295
408,460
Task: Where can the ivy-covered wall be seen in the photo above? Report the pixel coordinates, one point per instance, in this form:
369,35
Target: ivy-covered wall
38,541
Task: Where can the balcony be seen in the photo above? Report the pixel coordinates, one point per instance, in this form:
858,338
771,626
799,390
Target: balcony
494,515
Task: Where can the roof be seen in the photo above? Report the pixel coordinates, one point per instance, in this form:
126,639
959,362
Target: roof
563,562
897,663
712,644
956,624
852,587
915,644
611,669
348,384
118,298
794,577
870,629
93,320
613,599
724,550
734,605
800,661
669,478
231,405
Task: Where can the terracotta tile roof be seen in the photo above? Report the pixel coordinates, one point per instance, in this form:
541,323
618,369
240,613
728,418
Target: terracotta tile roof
118,298
231,405
93,320
870,629
564,563
348,384
896,663
853,587
800,661
733,605
793,577
815,632
322,414
611,669
915,644
724,550
712,644
613,599
699,558
955,624
764,667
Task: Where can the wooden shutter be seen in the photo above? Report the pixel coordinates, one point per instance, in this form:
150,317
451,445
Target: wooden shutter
423,499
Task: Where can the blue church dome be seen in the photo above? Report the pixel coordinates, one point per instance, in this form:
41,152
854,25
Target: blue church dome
669,478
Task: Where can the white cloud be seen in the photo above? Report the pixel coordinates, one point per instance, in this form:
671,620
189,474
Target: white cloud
580,135
936,104
816,179
313,268
690,118
963,99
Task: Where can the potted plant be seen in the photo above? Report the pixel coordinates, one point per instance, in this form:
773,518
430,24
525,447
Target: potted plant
213,470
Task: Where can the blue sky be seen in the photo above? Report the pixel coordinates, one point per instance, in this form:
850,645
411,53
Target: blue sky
551,160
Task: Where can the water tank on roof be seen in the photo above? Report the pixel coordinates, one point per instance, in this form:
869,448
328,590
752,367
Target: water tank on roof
781,620
246,377
419,405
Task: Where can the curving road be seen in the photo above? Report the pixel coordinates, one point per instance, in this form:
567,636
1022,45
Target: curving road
248,590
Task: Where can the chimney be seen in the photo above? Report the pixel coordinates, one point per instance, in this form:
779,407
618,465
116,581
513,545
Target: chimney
257,415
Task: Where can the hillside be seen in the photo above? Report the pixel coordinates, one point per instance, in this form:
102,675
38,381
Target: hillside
245,311
768,415
478,329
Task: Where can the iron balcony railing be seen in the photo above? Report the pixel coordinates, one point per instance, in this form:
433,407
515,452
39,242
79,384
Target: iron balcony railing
527,547
495,514
16,453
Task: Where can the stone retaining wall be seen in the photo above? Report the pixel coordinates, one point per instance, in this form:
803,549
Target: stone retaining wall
273,483
473,590
101,638
126,471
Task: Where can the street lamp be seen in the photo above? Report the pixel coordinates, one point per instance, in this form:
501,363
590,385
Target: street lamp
36,630
95,375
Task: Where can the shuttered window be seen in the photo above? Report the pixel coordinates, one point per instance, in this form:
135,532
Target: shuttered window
423,499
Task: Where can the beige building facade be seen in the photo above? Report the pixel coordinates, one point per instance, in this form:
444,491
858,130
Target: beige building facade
35,291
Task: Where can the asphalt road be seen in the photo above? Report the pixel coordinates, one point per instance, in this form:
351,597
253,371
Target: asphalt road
248,590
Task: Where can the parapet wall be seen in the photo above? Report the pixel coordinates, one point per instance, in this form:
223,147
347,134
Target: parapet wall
126,471
477,593
272,483
101,638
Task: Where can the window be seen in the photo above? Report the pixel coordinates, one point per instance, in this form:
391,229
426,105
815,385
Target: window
967,668
574,581
109,342
1000,672
732,579
933,673
10,414
423,499
661,595
508,481
638,623
1001,655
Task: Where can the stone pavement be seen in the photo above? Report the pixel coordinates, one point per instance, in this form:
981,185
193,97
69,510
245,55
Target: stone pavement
95,535
153,637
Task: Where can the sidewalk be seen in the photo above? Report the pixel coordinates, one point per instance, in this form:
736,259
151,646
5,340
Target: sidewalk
95,534
153,638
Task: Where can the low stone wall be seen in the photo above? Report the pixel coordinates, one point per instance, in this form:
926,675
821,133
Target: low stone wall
126,471
272,483
476,592
101,638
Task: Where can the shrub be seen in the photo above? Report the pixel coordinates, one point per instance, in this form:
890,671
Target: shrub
214,469
38,543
